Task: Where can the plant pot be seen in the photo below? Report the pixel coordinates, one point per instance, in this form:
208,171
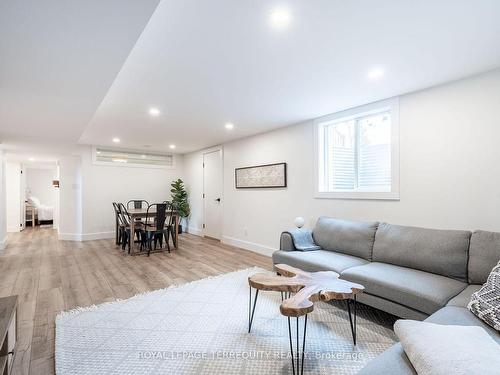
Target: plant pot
180,229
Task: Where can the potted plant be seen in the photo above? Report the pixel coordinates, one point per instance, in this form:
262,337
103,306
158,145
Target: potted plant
180,200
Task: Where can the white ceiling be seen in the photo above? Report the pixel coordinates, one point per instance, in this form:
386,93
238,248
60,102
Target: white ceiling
57,61
204,63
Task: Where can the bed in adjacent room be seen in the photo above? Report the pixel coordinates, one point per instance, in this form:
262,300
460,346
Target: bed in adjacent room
42,212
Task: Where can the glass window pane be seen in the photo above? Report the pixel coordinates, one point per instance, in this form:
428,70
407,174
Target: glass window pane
374,159
134,158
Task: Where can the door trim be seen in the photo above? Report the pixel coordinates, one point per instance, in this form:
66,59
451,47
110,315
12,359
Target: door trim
205,152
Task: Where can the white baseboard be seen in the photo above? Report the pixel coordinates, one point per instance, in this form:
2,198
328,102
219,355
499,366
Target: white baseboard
195,231
69,236
255,247
97,236
86,236
13,229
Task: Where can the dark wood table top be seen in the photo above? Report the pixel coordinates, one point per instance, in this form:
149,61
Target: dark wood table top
144,211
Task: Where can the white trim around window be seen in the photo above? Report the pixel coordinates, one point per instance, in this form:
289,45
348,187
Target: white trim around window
323,185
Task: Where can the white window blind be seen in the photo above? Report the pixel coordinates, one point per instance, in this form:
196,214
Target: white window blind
356,153
130,158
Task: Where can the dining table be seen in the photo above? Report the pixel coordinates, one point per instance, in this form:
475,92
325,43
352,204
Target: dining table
141,213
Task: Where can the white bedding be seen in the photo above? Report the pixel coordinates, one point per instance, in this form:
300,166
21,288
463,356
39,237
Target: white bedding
44,212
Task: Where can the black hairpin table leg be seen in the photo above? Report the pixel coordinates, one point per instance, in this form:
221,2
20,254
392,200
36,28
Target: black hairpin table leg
352,321
298,356
251,310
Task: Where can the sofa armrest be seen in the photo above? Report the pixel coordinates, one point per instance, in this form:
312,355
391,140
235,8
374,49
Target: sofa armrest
286,242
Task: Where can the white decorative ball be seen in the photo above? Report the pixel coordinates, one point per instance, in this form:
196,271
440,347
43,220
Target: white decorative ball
299,222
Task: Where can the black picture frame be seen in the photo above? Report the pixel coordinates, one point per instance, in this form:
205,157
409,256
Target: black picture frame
284,185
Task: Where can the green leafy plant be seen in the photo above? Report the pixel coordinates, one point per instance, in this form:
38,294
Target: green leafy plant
180,198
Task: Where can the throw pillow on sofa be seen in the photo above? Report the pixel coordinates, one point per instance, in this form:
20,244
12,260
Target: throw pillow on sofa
485,303
435,349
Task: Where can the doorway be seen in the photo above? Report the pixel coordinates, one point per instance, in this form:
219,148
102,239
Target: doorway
212,194
41,195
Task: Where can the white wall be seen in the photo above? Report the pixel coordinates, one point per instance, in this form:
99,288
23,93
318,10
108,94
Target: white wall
449,174
87,191
3,203
70,196
103,185
23,196
39,184
55,223
13,196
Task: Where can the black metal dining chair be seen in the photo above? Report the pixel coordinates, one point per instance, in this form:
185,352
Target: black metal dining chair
170,225
137,204
125,220
154,229
119,226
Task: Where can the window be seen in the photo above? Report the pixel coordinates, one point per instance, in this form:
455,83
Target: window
104,156
358,153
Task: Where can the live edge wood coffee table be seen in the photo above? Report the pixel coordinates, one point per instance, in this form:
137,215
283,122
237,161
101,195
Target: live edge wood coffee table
308,287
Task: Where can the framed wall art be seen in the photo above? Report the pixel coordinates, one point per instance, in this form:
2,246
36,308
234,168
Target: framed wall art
261,176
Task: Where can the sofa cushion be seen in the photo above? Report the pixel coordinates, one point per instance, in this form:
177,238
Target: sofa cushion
345,236
317,260
419,290
484,253
427,345
443,252
394,360
391,362
462,299
461,316
391,307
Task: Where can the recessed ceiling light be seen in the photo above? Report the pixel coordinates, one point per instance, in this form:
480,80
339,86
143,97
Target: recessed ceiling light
143,156
229,126
155,112
376,73
172,147
116,140
31,159
280,17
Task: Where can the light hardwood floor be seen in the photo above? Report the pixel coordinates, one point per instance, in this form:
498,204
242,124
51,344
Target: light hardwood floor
50,276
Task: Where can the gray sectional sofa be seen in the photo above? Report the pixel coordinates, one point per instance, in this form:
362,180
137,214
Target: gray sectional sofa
413,273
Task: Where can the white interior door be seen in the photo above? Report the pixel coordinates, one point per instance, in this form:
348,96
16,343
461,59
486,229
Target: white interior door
212,194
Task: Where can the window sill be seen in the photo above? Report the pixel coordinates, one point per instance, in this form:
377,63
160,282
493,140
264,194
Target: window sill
393,196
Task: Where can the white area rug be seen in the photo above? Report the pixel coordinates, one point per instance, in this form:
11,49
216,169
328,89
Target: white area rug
201,328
